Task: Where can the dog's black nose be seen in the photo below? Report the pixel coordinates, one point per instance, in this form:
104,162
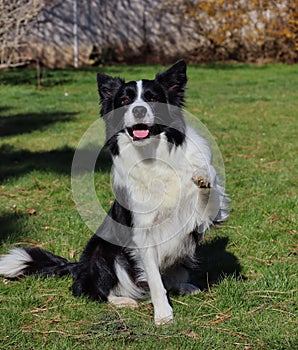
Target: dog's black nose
139,111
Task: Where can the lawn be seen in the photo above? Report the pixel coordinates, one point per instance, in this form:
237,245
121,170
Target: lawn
252,112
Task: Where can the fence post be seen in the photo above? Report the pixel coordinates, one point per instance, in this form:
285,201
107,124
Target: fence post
75,33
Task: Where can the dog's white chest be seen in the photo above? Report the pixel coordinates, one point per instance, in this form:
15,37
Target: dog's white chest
157,181
156,186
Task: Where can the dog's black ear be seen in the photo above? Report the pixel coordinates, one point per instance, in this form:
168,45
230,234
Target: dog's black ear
108,86
174,81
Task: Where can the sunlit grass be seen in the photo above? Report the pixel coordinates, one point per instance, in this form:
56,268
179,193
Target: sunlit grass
252,114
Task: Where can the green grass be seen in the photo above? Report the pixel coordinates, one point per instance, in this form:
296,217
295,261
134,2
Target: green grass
252,113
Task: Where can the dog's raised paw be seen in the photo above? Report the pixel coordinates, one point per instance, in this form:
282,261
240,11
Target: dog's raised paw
203,177
201,181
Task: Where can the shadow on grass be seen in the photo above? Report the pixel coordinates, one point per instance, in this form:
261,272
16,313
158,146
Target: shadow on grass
49,78
12,225
215,263
28,122
18,162
4,109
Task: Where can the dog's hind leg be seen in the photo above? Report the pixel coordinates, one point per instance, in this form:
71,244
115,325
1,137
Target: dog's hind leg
95,275
176,280
185,288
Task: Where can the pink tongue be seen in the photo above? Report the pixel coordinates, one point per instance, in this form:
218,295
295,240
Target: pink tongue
140,134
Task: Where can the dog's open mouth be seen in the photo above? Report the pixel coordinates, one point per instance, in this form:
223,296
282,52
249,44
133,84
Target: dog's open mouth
139,132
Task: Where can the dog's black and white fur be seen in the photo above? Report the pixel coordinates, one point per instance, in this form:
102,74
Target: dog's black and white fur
167,196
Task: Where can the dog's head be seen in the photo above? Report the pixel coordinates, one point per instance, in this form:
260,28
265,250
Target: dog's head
145,108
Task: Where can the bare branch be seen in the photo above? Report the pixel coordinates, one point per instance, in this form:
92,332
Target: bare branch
16,20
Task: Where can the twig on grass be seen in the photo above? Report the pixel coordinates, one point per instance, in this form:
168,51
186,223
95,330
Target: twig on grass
268,262
222,317
121,319
272,291
283,312
242,336
179,302
33,243
41,309
261,307
44,332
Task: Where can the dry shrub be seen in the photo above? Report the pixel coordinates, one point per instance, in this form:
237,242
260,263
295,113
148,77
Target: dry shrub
242,30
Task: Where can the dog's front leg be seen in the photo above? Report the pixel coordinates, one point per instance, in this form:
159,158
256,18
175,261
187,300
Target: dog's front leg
163,312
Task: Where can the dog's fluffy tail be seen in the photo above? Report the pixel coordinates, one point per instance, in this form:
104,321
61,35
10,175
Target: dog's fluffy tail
34,261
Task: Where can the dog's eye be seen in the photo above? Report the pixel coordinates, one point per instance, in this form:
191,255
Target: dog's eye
153,99
125,101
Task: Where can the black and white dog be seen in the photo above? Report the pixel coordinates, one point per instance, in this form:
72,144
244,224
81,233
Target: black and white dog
167,195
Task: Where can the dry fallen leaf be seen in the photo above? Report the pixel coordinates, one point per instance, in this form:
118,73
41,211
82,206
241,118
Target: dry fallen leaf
31,211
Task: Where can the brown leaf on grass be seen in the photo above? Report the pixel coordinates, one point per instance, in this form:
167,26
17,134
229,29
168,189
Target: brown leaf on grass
221,317
31,211
192,334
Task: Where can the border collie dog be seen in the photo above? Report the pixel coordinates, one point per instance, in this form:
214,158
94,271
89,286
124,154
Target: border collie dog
167,195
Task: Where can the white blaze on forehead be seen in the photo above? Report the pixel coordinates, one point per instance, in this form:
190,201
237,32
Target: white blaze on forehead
139,89
129,118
